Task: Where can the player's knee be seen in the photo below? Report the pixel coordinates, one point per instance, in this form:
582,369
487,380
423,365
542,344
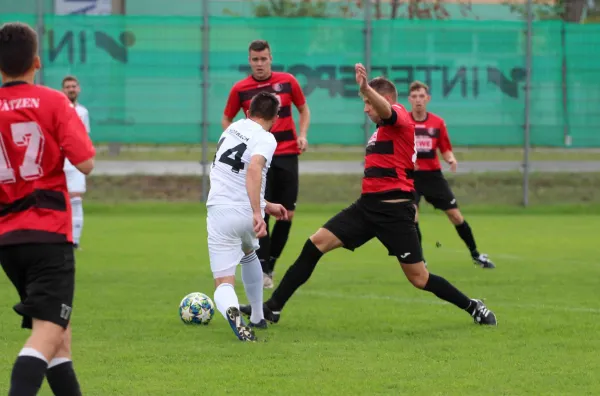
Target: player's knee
65,347
226,275
455,216
416,274
76,195
46,337
418,280
325,240
290,215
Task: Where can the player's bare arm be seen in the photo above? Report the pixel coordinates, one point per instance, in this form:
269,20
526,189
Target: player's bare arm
226,122
381,105
304,112
276,210
253,187
232,107
86,167
450,160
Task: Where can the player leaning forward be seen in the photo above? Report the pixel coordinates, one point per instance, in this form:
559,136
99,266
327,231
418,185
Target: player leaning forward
385,209
236,209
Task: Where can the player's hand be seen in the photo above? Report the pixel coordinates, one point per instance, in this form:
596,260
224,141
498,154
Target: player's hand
277,211
453,165
260,227
361,76
302,144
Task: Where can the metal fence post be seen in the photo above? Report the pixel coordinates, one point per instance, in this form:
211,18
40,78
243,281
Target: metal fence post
368,32
205,94
40,29
527,129
563,45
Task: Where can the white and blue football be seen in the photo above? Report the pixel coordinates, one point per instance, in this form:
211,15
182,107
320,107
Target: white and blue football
196,308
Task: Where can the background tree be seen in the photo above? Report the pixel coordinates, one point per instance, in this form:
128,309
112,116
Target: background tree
398,9
566,10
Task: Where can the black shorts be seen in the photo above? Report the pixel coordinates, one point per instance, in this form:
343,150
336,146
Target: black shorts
282,181
392,223
44,276
433,186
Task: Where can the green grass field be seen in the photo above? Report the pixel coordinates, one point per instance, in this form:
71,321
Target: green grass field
504,188
356,328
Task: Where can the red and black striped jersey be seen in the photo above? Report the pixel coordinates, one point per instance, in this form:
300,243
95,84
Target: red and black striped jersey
288,91
431,134
38,128
390,157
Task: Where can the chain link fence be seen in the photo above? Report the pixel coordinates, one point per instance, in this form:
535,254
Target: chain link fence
155,76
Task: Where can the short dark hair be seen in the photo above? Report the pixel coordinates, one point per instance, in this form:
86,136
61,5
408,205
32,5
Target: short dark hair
264,105
259,45
18,48
383,86
416,85
70,78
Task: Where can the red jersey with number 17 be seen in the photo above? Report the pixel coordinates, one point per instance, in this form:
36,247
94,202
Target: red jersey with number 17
288,91
38,128
390,157
431,134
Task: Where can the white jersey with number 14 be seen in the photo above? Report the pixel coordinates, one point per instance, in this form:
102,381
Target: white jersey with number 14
242,140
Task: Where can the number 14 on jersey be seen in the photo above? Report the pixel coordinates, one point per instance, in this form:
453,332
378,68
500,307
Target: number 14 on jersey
232,156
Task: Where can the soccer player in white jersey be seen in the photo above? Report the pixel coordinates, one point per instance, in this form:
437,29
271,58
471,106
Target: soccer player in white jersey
75,179
236,210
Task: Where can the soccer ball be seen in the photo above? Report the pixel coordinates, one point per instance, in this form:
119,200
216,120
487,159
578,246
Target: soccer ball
196,308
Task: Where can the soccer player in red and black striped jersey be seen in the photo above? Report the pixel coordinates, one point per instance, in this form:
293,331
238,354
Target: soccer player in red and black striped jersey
431,135
38,129
282,178
385,209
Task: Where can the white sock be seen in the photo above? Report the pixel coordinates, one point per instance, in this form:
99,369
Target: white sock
33,353
77,211
226,298
58,361
252,276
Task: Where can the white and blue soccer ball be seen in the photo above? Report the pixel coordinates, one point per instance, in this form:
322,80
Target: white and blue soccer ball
196,308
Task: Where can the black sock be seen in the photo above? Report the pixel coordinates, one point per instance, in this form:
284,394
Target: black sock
27,376
279,237
264,251
295,276
62,380
271,265
444,290
464,231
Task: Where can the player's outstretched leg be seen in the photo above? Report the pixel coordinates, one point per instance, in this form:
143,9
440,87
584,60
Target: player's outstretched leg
227,303
418,275
466,234
60,375
314,248
252,276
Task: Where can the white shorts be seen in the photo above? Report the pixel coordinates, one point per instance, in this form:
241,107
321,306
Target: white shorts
230,234
75,180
